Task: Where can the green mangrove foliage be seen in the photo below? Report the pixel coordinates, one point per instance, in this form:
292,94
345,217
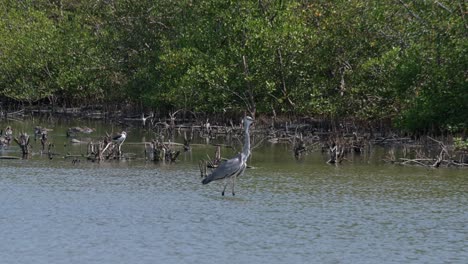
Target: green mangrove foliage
399,60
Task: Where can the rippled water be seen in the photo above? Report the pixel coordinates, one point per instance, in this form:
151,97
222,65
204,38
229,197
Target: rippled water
284,211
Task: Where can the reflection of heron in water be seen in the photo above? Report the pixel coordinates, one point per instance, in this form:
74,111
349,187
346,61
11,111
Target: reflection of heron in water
233,167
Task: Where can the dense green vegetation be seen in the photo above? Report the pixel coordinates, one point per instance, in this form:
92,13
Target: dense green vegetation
399,60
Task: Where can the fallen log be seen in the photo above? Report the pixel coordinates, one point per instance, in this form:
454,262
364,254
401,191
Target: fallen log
9,157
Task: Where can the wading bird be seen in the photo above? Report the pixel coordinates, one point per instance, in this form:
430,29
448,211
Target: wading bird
8,131
120,138
234,167
8,134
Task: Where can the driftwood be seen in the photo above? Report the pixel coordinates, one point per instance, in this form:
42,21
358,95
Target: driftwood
9,157
432,163
18,113
445,157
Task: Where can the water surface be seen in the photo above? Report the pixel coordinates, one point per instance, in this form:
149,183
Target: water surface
284,211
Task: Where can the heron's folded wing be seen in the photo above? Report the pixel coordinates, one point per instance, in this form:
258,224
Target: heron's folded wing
228,168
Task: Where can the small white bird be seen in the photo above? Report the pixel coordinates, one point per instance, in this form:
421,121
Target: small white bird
120,138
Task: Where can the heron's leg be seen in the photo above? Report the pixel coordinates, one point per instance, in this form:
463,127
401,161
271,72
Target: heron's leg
225,185
233,184
120,148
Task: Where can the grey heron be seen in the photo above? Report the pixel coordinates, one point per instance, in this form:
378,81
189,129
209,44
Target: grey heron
235,166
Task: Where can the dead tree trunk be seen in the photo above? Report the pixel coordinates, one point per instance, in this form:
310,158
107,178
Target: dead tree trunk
214,163
23,142
43,141
337,153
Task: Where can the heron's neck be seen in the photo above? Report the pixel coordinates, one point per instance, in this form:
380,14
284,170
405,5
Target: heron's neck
246,148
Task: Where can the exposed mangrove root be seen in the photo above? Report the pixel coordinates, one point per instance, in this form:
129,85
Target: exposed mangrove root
16,114
339,146
299,148
39,131
303,135
443,156
211,163
50,153
214,163
187,141
337,153
23,142
96,150
160,151
303,146
202,164
43,141
104,149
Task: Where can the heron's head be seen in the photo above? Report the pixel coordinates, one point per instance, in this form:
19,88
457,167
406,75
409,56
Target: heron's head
124,133
248,121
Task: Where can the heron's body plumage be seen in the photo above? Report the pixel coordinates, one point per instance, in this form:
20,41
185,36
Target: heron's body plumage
235,166
231,167
120,138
